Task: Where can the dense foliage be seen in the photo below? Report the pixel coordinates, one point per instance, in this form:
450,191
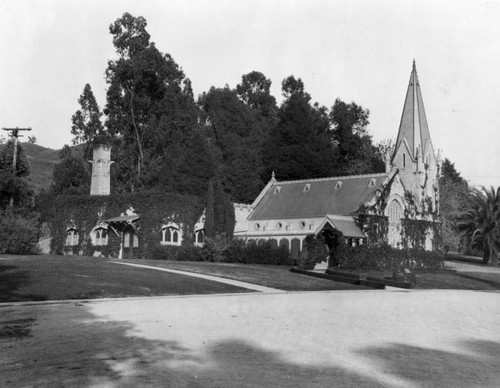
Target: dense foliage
18,220
479,223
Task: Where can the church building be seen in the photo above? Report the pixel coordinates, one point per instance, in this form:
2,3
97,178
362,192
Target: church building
286,212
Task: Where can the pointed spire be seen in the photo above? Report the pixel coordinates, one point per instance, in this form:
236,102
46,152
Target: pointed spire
413,129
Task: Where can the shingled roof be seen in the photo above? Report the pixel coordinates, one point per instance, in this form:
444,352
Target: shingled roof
316,197
413,127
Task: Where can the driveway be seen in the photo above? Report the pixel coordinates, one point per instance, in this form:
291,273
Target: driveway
295,339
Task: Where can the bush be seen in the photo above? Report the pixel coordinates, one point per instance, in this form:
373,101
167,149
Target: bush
17,235
190,253
267,253
317,251
162,252
384,257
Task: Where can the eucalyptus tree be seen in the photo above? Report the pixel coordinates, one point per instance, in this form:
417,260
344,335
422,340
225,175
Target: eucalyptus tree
150,102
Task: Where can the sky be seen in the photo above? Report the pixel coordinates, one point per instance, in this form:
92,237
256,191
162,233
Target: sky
355,50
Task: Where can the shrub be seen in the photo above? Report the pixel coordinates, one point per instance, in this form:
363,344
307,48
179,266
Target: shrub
267,253
317,251
162,252
17,235
384,257
190,253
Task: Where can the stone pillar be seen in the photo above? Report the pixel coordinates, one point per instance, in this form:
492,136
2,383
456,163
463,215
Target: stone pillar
100,183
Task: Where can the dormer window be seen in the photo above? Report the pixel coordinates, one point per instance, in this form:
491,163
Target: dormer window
277,189
338,185
307,187
373,181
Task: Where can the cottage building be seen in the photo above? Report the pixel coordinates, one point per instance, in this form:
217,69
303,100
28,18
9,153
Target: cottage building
285,212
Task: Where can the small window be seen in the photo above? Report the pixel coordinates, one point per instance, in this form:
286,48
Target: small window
101,237
199,237
307,187
277,189
373,181
279,225
257,226
404,161
302,224
72,237
338,185
170,236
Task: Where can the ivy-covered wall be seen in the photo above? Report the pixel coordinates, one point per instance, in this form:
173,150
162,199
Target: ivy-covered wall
83,212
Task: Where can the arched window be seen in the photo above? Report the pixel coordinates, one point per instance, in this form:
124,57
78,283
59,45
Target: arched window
72,237
395,212
404,161
170,235
199,237
100,237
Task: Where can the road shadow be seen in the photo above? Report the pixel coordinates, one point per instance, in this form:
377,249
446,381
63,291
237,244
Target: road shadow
83,349
12,279
88,352
475,366
480,277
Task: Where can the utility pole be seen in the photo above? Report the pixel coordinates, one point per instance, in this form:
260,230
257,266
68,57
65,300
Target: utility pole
14,133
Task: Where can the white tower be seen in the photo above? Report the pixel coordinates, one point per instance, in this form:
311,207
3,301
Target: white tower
100,184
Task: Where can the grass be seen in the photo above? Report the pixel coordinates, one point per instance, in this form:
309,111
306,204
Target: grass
275,276
280,276
27,278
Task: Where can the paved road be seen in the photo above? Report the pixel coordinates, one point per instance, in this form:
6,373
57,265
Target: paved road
295,339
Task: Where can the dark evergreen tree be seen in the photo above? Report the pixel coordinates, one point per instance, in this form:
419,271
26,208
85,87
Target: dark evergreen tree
235,131
356,153
210,211
87,127
300,145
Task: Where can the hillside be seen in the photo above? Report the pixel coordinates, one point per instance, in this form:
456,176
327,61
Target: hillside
42,161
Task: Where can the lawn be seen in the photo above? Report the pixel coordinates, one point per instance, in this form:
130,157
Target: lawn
280,277
274,276
28,278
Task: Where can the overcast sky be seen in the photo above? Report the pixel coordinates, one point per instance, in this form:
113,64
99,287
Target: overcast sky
359,51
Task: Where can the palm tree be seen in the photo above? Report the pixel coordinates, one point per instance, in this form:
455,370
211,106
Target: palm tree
480,222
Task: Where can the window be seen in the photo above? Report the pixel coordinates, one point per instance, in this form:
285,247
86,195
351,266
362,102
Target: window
395,212
101,237
372,182
338,185
170,236
277,189
307,187
404,161
72,237
135,240
199,237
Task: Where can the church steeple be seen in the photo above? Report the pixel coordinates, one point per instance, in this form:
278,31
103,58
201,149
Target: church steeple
413,135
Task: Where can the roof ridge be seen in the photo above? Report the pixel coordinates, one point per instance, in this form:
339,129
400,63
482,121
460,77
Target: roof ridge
333,178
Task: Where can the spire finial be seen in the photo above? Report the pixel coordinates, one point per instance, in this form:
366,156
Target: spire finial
414,67
272,176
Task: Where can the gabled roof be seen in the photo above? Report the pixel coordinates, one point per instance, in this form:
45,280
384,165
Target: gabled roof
316,197
413,126
127,218
346,225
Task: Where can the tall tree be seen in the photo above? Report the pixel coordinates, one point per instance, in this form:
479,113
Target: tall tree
356,153
87,126
234,129
453,200
299,146
150,102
